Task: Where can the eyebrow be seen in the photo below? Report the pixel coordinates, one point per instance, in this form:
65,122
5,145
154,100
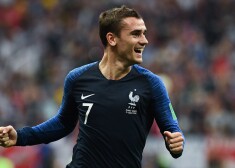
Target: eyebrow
138,31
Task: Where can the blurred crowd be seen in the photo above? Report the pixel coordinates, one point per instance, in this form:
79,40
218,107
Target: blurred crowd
191,46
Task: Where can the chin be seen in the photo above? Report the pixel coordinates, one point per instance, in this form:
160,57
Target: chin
135,60
138,61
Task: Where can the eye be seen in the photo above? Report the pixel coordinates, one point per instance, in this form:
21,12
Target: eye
145,32
136,33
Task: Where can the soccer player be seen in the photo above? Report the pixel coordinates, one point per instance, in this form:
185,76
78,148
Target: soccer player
115,101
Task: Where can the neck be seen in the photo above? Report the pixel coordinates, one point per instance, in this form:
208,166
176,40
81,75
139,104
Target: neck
112,68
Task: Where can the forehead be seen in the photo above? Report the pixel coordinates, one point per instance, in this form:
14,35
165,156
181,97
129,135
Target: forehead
132,23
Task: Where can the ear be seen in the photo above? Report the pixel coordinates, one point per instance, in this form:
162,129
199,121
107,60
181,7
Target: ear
111,38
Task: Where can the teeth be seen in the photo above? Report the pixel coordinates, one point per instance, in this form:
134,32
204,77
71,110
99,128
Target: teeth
138,50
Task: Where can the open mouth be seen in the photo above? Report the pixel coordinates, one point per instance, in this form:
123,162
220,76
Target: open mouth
137,50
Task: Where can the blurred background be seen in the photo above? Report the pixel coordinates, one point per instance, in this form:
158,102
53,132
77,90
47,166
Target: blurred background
191,46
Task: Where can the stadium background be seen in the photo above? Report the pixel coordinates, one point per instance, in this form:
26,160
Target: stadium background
191,46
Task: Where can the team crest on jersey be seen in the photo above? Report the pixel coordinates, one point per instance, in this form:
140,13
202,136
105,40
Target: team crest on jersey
134,98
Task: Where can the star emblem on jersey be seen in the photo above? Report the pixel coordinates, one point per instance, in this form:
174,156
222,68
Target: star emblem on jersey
84,97
132,105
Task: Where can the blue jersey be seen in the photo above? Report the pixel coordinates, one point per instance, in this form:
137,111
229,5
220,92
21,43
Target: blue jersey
114,116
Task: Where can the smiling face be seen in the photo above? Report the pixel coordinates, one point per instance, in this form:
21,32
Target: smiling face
130,43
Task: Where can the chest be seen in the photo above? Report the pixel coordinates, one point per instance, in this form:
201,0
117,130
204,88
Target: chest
106,102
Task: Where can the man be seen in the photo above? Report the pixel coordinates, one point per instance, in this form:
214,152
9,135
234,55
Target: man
114,100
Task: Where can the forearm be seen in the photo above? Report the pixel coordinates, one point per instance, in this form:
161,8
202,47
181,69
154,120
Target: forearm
46,132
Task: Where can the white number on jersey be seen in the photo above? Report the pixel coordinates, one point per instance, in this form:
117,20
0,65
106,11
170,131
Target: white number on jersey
89,105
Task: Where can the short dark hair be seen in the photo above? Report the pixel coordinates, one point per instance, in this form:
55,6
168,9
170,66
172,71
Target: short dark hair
110,21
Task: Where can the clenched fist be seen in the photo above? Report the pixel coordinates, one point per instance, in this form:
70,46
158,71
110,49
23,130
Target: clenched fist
8,136
174,141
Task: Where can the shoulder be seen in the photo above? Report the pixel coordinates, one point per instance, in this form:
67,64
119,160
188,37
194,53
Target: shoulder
75,73
155,82
151,77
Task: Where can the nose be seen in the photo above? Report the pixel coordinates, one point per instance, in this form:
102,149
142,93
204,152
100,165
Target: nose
144,40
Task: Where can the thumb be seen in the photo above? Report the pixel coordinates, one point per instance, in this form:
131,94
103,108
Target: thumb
167,134
6,129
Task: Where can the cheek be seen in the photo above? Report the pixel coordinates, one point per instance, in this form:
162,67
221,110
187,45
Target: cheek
125,49
127,52
128,47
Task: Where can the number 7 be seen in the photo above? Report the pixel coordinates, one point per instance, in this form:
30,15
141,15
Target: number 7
89,105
